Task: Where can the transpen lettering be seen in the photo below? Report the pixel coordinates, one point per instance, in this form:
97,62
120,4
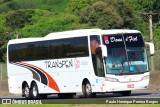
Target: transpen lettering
59,64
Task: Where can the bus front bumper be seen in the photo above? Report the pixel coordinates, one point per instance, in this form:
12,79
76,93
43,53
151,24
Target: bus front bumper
125,86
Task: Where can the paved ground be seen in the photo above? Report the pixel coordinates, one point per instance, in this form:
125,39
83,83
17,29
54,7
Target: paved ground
100,98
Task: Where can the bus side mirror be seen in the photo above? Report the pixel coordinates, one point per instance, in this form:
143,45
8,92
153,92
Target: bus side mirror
151,48
104,50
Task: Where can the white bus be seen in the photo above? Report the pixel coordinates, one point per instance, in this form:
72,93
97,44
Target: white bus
87,61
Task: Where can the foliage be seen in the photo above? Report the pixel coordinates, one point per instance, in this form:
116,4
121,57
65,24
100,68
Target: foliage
36,18
145,5
52,5
4,7
18,19
55,22
109,14
125,12
36,22
74,6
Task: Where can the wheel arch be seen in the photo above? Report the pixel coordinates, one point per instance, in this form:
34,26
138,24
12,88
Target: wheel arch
24,83
84,81
29,84
32,83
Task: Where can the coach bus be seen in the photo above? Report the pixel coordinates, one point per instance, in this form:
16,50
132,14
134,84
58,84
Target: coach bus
87,61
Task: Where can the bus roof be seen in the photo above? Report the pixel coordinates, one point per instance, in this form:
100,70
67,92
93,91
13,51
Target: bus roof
73,33
85,32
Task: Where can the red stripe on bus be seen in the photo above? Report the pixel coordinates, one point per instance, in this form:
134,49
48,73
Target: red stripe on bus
52,84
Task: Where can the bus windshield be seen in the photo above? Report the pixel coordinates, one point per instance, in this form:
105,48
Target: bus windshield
126,54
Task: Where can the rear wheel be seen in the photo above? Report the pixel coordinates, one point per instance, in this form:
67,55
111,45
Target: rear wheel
87,90
34,91
26,91
126,93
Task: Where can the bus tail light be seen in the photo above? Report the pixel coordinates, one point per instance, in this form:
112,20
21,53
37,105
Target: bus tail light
111,79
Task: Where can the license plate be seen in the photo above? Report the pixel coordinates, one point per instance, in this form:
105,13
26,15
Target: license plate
130,86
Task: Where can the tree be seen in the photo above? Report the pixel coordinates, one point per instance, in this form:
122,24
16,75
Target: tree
125,11
13,5
102,15
51,23
18,18
74,6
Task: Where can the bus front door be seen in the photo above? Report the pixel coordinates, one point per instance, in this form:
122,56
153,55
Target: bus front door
100,73
97,62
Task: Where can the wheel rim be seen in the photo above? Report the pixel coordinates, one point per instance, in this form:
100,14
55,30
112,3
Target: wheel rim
88,89
26,91
35,91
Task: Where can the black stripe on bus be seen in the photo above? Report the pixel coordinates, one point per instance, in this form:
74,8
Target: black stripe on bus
36,73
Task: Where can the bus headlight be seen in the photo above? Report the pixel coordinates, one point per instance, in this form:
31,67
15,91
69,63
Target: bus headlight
145,77
111,79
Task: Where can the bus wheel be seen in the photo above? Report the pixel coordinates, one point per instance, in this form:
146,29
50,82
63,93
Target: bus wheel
126,93
34,91
87,90
26,91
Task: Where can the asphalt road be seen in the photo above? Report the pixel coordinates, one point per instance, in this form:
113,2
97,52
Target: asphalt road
100,98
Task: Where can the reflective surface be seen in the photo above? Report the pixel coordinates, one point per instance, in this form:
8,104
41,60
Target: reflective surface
126,54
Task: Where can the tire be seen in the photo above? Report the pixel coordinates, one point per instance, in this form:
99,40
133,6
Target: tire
34,91
126,93
87,90
26,92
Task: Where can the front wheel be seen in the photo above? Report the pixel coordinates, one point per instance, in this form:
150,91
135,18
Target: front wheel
87,90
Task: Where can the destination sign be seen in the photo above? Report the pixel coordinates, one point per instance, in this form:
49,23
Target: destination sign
118,39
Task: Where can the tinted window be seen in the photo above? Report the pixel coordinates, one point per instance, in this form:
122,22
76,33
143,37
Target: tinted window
71,47
42,50
62,48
